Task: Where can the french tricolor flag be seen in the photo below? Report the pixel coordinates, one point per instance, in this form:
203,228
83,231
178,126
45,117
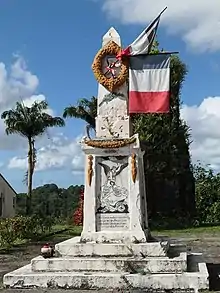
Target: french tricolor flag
144,42
149,83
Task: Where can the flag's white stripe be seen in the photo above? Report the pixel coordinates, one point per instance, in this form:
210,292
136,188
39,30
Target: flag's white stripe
153,80
141,44
140,48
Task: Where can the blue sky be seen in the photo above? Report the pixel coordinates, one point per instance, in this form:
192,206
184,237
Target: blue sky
49,47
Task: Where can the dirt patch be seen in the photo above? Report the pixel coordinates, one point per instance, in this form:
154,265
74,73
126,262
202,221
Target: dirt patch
18,257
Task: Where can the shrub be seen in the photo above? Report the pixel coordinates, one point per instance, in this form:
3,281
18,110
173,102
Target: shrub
207,194
20,227
8,234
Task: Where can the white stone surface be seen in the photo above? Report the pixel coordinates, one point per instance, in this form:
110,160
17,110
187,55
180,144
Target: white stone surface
117,125
25,278
112,264
113,107
110,222
111,35
73,247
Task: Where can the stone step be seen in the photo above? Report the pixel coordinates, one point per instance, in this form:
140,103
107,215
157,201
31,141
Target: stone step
109,264
119,264
26,278
73,247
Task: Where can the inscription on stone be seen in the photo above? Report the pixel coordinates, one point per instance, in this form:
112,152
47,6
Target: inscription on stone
113,221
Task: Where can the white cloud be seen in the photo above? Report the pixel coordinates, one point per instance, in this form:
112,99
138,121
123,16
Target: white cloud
29,101
198,21
58,154
204,120
54,153
16,84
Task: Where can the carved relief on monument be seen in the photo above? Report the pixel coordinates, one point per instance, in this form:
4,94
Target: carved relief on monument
90,169
113,196
113,104
133,167
113,128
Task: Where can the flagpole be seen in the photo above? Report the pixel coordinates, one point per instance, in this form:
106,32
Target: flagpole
163,11
159,53
163,52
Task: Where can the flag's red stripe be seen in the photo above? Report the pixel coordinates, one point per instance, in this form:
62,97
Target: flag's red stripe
149,102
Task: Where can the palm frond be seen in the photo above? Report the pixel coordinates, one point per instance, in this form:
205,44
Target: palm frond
71,111
85,110
25,180
30,121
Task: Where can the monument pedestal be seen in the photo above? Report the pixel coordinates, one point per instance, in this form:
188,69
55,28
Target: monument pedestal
156,266
115,199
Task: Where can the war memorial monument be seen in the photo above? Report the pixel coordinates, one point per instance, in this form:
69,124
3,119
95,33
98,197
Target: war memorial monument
115,250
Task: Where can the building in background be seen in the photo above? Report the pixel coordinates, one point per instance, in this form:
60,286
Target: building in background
7,199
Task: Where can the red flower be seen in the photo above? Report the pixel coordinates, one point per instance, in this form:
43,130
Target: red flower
78,214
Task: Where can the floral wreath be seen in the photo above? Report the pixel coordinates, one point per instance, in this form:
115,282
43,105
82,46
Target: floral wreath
110,144
114,82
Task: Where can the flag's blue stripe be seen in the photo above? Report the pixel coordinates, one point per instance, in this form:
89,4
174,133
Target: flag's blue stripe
142,62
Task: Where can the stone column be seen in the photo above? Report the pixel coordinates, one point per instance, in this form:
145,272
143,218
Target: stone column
112,113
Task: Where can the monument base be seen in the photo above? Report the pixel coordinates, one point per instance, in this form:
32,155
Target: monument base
156,266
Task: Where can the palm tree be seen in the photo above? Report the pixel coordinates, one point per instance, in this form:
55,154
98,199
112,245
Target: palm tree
85,110
30,122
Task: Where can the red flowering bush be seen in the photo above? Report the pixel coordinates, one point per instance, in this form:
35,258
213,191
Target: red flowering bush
78,214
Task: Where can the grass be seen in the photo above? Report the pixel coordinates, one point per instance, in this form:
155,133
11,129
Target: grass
63,232
68,232
57,232
72,231
210,231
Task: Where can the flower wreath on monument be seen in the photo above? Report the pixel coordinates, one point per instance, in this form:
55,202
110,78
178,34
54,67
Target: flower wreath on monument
113,82
111,143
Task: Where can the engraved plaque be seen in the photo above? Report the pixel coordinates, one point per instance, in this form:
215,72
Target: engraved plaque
112,221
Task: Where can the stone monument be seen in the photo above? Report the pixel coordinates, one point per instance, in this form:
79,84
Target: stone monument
114,202
114,251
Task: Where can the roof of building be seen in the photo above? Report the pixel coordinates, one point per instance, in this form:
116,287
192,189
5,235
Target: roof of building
8,183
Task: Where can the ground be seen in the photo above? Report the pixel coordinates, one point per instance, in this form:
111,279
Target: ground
205,240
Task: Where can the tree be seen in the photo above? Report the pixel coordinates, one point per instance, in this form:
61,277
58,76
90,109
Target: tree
51,201
85,110
207,194
30,122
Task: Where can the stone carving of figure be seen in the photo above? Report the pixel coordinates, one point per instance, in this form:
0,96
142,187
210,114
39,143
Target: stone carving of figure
113,197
